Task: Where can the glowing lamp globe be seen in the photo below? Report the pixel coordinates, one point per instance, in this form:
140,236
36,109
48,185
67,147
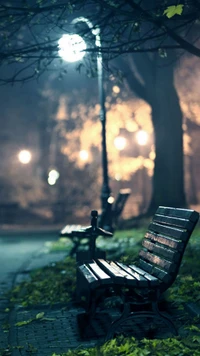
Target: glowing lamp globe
71,47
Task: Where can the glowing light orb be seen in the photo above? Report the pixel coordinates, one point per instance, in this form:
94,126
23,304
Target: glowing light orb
142,137
71,47
53,176
24,156
118,177
116,89
120,142
84,155
111,200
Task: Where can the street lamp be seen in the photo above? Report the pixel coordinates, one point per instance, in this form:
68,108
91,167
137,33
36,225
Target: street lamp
72,48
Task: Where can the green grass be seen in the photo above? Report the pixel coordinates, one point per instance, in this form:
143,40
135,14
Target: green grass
49,285
122,346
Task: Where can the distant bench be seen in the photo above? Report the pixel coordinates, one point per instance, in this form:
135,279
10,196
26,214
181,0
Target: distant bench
110,216
78,233
138,286
107,218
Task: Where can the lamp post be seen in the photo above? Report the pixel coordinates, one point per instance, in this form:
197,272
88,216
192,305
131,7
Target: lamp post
72,49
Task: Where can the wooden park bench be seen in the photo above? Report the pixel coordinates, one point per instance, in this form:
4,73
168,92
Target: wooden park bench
143,284
110,216
76,232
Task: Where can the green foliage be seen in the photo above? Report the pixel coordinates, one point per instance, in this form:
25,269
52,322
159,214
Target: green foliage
173,10
132,347
38,317
186,288
49,285
124,244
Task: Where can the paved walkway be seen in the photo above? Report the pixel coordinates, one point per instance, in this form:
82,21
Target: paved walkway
58,331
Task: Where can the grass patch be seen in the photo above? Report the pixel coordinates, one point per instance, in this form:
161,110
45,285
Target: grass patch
49,285
132,347
186,288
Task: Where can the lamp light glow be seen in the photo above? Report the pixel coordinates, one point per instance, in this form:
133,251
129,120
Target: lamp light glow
24,156
120,142
71,47
53,176
142,137
84,155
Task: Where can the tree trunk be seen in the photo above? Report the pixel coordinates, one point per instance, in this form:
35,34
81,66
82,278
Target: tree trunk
168,178
156,86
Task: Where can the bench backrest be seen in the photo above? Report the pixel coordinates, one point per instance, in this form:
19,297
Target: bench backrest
165,242
120,202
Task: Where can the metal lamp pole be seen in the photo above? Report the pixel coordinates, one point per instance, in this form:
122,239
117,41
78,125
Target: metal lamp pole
105,191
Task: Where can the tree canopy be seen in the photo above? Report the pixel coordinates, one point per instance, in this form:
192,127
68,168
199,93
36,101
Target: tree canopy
30,30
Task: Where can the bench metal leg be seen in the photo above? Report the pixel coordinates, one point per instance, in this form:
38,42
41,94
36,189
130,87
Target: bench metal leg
166,318
127,316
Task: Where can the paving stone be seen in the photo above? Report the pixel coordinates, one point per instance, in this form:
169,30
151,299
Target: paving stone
63,333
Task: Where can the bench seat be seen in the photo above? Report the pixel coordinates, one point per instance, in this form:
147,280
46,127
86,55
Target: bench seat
102,272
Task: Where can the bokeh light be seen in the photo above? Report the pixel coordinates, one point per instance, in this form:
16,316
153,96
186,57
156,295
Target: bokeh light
24,156
84,155
53,177
120,142
142,137
116,89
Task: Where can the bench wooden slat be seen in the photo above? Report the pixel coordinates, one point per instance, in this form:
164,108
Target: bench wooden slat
112,271
164,240
92,280
161,251
169,231
155,271
161,262
123,272
134,279
173,221
120,202
152,281
178,212
69,228
140,279
104,277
